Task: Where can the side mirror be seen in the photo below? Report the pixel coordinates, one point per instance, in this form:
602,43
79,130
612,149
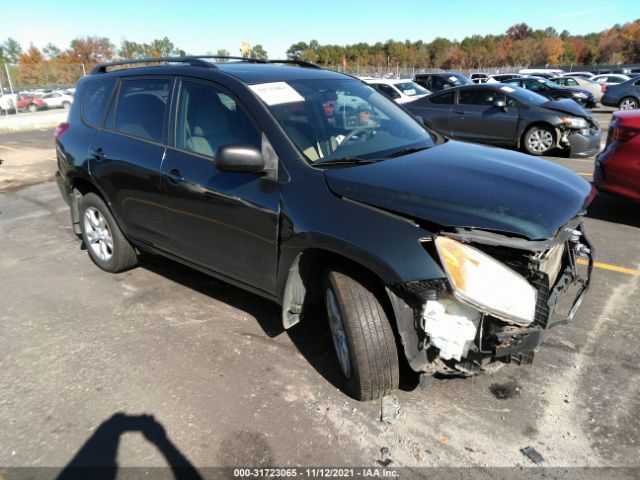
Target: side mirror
239,158
501,104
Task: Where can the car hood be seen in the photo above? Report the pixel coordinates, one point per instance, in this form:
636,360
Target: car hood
566,105
462,185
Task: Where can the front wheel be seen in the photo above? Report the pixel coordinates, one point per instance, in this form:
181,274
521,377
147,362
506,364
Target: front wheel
32,108
105,242
538,140
362,337
66,105
628,103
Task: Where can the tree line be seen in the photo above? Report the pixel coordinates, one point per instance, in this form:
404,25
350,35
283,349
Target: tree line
520,45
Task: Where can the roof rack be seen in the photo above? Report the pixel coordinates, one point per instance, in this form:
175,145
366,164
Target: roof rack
194,61
197,61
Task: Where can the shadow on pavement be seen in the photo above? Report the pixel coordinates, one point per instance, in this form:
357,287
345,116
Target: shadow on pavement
97,458
614,209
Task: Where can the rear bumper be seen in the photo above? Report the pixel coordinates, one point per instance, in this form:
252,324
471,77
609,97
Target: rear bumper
582,145
63,187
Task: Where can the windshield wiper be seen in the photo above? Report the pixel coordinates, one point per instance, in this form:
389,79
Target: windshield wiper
404,151
346,161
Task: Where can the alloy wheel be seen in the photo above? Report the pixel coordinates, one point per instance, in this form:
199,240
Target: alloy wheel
98,234
628,104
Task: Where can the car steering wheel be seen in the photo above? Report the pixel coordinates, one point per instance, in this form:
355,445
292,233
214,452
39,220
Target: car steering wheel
352,134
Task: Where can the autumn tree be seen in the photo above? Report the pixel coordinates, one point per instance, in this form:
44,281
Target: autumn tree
89,50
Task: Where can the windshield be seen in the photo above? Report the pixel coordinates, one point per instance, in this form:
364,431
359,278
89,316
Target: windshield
338,119
410,89
524,95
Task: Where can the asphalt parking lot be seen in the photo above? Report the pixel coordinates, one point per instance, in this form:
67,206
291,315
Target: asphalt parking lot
88,358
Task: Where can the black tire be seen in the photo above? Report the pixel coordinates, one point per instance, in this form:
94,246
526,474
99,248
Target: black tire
628,103
66,105
121,255
32,107
374,370
541,147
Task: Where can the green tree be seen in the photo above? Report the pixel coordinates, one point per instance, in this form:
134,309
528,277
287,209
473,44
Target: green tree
258,53
10,50
221,52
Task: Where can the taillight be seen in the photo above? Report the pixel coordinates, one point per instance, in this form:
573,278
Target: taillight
603,87
622,134
60,129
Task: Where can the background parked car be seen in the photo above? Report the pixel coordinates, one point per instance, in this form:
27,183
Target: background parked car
500,77
552,91
596,89
617,169
610,79
58,100
434,82
505,115
541,72
579,74
30,103
8,102
625,96
479,77
401,91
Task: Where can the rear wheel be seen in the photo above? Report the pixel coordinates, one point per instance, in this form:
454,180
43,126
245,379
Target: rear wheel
362,337
539,140
32,107
628,103
66,105
106,244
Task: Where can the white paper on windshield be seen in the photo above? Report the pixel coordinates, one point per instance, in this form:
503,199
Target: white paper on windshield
276,93
453,79
540,80
507,89
410,92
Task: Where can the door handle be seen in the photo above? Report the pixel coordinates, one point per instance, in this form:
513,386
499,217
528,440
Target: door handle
98,154
458,112
174,176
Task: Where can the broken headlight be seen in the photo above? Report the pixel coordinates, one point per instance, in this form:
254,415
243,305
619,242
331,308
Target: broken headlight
485,283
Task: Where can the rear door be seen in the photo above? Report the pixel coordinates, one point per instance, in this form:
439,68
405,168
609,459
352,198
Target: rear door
224,221
475,118
126,155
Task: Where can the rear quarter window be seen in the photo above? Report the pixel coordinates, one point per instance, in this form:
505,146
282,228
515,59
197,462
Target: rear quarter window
95,97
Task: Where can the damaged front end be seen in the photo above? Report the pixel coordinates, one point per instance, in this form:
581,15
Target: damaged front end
500,297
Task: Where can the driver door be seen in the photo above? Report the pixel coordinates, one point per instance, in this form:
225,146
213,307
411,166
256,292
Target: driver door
224,221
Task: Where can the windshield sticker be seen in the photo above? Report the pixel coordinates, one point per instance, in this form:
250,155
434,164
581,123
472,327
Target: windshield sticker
410,92
453,79
507,89
276,93
540,80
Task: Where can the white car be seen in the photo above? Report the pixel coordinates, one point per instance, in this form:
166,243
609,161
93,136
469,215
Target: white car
58,100
579,74
610,78
500,77
8,102
596,89
480,77
401,91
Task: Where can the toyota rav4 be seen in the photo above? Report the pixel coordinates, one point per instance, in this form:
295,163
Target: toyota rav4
453,255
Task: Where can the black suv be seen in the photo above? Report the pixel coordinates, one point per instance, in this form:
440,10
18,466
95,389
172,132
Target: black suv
313,190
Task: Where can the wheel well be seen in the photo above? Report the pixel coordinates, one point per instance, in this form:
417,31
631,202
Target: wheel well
79,188
304,285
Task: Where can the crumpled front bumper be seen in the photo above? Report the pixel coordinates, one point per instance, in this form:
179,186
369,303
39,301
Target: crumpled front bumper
520,341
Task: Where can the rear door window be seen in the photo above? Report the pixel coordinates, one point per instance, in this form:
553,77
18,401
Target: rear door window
141,108
95,97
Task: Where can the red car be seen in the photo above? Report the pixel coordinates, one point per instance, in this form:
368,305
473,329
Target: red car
617,168
31,103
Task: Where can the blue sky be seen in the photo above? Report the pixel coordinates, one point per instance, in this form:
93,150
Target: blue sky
201,26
